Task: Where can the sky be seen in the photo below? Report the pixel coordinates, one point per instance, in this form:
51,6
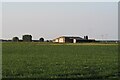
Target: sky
98,20
0,20
60,0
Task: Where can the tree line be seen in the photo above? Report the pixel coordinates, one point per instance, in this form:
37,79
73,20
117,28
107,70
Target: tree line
26,38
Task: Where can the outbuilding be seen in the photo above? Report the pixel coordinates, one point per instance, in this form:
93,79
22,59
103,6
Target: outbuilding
72,39
67,39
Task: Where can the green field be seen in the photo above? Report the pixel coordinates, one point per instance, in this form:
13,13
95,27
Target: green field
47,60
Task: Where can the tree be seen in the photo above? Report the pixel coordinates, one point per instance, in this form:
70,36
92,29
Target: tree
47,40
86,37
15,39
41,39
27,38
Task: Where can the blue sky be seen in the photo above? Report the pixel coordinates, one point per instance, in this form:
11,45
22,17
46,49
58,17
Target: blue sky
98,20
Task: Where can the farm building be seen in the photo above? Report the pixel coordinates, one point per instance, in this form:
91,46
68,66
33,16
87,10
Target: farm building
72,39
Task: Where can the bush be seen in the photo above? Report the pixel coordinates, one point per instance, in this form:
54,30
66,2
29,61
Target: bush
41,39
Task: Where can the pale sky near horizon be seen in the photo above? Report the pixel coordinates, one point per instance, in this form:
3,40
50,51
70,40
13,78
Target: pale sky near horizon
53,19
60,0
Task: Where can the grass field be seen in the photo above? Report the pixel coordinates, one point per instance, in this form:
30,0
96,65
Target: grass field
44,60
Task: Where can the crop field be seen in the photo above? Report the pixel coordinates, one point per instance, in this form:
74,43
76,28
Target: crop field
48,60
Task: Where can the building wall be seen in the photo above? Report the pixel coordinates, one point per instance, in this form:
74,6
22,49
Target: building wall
74,40
61,40
56,40
68,40
78,41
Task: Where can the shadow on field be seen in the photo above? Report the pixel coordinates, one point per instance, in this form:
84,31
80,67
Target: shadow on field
88,73
110,77
90,78
74,76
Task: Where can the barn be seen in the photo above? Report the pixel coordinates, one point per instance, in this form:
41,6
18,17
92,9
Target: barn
72,39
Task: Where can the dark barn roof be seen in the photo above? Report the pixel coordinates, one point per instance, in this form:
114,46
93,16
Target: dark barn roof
71,37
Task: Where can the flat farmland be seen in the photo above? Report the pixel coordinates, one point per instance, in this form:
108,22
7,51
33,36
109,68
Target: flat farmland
48,60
